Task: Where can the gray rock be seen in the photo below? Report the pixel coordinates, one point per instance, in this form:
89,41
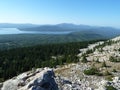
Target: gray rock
46,82
1,84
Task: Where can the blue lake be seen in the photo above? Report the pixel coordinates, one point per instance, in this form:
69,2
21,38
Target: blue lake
4,31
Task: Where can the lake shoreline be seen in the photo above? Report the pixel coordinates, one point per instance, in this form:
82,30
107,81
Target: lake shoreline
7,31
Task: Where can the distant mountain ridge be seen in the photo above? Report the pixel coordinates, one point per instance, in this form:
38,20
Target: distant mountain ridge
108,32
77,33
58,27
12,25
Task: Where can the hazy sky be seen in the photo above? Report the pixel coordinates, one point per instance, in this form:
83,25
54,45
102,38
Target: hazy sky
90,12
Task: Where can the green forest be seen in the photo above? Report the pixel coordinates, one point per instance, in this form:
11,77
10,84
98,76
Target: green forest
22,40
18,60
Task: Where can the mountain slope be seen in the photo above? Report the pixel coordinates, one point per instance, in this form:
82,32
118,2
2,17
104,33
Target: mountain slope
76,76
22,40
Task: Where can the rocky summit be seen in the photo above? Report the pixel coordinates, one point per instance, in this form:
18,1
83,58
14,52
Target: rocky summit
40,79
98,69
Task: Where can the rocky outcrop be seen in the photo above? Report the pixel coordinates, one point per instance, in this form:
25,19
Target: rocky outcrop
115,83
45,82
38,80
69,79
102,51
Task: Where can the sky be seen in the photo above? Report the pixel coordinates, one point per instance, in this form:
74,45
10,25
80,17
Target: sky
88,12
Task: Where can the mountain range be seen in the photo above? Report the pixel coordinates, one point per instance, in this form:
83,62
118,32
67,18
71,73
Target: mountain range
106,32
76,33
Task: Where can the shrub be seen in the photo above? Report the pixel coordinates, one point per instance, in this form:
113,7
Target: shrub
113,59
110,88
109,78
84,59
114,70
91,71
104,64
107,73
99,74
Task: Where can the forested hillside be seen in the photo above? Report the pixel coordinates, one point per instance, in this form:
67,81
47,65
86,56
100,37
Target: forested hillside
22,40
15,61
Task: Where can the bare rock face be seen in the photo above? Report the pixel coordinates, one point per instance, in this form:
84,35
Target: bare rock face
10,85
101,85
46,82
38,80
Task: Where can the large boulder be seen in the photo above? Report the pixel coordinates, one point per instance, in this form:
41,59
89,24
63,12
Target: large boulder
38,80
45,82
